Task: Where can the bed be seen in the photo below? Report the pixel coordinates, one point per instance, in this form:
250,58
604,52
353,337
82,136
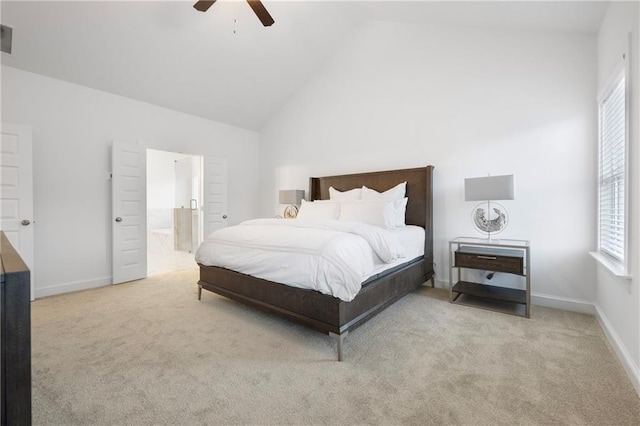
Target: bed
330,314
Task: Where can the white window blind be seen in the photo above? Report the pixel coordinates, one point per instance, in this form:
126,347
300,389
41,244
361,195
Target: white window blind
612,177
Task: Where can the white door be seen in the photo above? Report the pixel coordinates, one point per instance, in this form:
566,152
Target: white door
215,194
129,208
16,190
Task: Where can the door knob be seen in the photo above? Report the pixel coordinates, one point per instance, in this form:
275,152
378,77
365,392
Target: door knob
224,216
25,222
118,219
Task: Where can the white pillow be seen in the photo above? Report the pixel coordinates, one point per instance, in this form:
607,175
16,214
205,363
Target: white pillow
352,194
374,212
396,193
323,210
400,212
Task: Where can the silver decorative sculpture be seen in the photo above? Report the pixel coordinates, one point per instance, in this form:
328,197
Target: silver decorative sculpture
489,217
488,225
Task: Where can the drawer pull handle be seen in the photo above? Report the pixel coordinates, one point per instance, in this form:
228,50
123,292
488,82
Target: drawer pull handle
487,257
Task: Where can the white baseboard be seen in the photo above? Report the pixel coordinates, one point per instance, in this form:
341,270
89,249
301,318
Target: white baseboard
440,284
632,370
573,305
549,301
69,287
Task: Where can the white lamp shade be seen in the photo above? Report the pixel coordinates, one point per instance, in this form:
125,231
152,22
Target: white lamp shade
291,196
489,188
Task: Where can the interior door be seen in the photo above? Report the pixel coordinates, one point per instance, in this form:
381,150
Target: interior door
129,212
215,194
16,191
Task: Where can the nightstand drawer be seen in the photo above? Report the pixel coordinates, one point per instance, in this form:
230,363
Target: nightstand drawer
487,259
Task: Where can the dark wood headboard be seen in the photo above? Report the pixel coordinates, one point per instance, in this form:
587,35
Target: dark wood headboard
419,191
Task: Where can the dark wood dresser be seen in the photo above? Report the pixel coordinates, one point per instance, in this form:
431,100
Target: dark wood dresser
15,337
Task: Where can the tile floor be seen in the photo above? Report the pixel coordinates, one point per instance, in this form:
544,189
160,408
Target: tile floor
162,258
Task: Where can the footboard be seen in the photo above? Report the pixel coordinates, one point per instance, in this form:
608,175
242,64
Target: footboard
324,313
307,307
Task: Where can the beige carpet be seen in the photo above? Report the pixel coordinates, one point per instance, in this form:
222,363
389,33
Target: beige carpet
149,352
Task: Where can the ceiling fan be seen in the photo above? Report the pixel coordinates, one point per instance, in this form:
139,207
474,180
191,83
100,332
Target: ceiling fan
256,5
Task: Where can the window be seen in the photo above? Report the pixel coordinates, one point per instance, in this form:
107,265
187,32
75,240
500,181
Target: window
613,172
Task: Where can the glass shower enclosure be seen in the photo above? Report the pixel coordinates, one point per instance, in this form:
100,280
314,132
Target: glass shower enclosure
186,214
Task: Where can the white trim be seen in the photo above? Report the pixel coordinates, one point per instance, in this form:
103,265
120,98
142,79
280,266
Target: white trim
616,268
440,284
549,301
75,286
564,303
627,153
622,70
632,370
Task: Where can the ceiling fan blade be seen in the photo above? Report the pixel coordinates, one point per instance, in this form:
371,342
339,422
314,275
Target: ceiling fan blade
261,12
203,5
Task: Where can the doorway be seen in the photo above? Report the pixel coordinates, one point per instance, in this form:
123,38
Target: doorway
174,210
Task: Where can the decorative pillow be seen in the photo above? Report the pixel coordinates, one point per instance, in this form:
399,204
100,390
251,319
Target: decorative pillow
396,193
374,212
322,210
352,194
400,212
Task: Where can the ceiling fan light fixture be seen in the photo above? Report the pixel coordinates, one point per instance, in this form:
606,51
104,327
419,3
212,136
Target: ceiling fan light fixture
203,5
257,6
261,12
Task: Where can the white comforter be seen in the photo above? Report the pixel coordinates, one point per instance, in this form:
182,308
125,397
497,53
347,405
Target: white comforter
332,257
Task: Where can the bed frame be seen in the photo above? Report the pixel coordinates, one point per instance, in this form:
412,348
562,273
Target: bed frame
329,314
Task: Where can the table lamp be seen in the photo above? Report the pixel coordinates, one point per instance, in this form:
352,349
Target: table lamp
489,217
292,197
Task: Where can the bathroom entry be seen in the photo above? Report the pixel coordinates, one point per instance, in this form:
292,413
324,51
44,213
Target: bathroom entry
186,214
174,213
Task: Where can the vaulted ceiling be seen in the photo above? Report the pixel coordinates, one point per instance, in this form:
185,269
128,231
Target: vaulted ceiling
223,64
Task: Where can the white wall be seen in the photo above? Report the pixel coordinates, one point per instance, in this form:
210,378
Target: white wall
73,127
618,300
470,102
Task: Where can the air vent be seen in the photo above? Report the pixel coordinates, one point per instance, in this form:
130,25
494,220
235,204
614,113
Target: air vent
6,38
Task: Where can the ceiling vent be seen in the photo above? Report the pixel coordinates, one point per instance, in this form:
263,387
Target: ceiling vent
6,38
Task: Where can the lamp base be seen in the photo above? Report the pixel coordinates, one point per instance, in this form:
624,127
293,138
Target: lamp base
291,212
489,218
